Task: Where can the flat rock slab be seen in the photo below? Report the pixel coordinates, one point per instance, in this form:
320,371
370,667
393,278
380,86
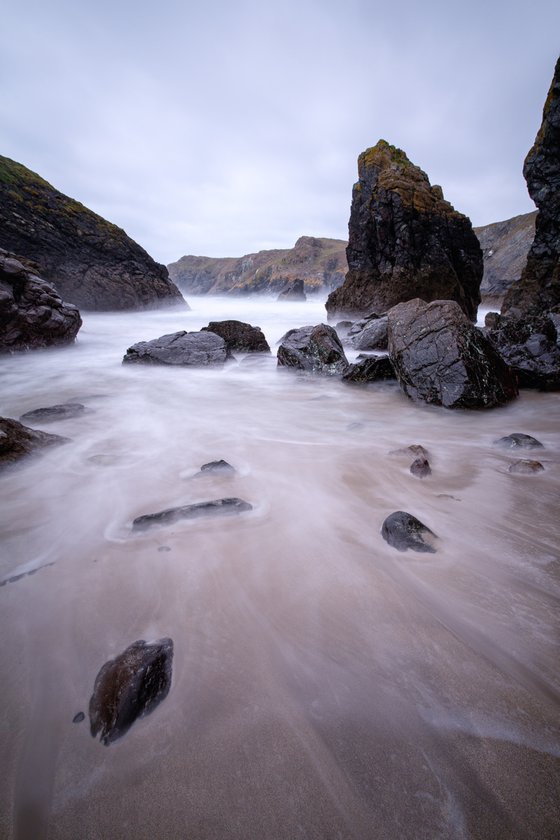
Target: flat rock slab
217,507
52,413
17,441
189,349
128,687
518,440
403,531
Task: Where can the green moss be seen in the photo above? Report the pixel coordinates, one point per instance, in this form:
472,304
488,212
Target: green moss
12,172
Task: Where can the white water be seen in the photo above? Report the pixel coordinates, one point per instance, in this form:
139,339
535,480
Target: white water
324,685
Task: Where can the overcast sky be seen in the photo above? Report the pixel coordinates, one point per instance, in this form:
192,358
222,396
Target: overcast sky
221,128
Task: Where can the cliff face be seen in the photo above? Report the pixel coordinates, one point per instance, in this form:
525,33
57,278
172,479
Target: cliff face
538,290
504,247
405,241
320,263
91,262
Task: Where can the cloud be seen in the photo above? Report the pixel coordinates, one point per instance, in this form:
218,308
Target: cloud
230,127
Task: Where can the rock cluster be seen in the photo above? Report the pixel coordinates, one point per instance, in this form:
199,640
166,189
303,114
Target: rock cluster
91,262
32,314
405,241
538,290
530,346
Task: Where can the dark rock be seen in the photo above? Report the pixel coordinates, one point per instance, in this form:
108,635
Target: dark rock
441,358
191,349
403,531
218,507
164,548
525,467
529,346
505,246
518,440
293,291
52,413
130,686
217,466
320,263
420,467
317,349
17,441
78,718
405,241
91,262
415,449
538,289
369,335
370,369
32,314
239,336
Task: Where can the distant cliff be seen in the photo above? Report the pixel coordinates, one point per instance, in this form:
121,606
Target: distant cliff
320,263
505,246
91,262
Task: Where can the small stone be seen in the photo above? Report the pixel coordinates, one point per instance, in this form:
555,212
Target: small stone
420,468
217,466
402,530
78,718
518,440
525,467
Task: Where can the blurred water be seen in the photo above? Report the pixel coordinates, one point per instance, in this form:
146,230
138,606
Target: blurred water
325,685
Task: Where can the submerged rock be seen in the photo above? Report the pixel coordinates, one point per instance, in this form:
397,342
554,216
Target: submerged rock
525,467
130,686
239,336
519,440
17,441
51,413
293,291
217,507
529,345
415,449
441,358
420,467
403,531
538,289
370,369
317,349
220,466
189,349
405,241
32,313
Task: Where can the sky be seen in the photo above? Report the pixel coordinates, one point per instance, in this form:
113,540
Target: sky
221,128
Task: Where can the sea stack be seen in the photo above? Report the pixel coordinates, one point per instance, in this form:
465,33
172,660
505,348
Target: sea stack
405,241
538,290
91,263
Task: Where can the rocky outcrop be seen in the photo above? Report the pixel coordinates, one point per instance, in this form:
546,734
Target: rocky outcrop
405,241
402,530
239,336
529,345
90,262
190,349
32,314
441,358
314,349
320,263
538,290
18,441
294,291
217,507
129,687
505,246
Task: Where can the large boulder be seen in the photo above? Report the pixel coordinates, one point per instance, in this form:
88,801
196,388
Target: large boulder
190,349
529,345
91,262
32,314
130,686
440,357
405,241
538,289
316,349
240,336
18,441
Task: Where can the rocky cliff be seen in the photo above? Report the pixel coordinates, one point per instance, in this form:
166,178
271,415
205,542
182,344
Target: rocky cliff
91,262
538,290
320,263
505,246
405,241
